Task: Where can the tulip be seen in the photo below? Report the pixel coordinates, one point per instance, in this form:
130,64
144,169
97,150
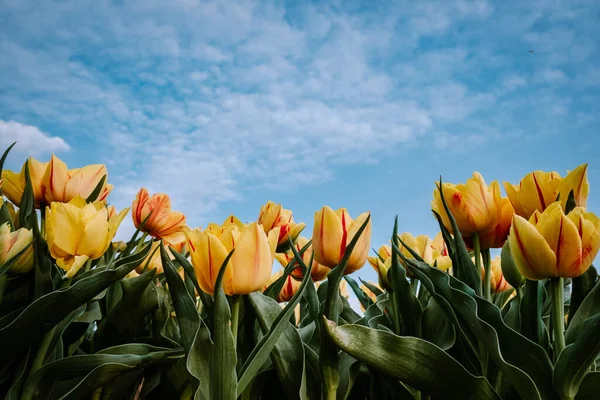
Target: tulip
497,282
333,231
11,244
62,184
160,221
344,289
77,232
217,229
119,246
289,289
473,204
318,272
422,245
381,263
14,182
275,216
441,256
509,268
538,189
153,260
369,293
250,266
496,236
552,244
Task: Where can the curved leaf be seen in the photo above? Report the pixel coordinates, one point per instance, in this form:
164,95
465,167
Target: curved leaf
588,308
437,328
582,285
590,387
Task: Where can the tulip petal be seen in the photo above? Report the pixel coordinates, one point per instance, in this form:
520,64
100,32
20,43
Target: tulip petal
588,226
252,260
562,236
576,181
12,187
64,229
55,180
327,237
84,181
358,258
532,254
96,236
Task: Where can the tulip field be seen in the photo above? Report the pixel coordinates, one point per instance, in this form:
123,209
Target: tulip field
260,310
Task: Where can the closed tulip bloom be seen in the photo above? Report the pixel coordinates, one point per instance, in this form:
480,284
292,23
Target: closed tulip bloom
161,221
552,244
273,215
62,184
497,282
369,293
472,204
11,244
14,182
344,289
333,231
77,232
441,256
153,260
119,246
495,238
422,245
318,271
289,289
381,263
538,189
217,229
250,266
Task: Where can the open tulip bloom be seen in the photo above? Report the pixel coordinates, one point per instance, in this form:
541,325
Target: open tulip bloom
199,314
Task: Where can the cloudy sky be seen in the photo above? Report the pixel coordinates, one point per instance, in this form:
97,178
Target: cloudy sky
225,105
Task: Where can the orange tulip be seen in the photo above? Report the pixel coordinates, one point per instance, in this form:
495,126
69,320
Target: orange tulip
333,231
250,266
473,204
289,289
14,182
275,216
552,244
161,222
497,282
318,271
538,189
11,244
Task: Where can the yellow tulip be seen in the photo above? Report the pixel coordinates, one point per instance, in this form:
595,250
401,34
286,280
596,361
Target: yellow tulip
119,246
473,204
552,244
153,260
381,263
77,232
250,266
217,229
11,244
441,256
273,215
497,282
62,184
161,222
333,231
538,189
289,289
369,293
14,182
496,236
318,271
344,289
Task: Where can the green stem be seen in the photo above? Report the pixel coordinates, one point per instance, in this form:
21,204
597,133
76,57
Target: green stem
558,315
38,361
477,254
487,277
395,316
141,242
235,315
3,281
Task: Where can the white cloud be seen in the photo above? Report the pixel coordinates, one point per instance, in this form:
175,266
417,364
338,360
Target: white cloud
30,140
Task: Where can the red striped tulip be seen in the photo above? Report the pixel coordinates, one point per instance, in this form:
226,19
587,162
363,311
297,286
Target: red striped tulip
273,215
161,221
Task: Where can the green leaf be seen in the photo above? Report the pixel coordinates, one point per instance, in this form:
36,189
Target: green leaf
582,285
20,375
45,312
362,297
207,301
223,377
198,363
44,281
590,387
5,216
575,360
3,159
27,215
438,374
524,363
349,368
437,328
274,288
531,311
97,191
570,204
264,347
589,308
288,351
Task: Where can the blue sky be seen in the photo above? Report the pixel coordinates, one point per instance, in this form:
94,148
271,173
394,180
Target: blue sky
225,105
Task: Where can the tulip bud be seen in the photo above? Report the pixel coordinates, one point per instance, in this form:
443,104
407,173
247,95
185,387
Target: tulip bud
497,282
509,267
11,244
289,289
473,205
250,266
381,263
160,221
344,289
318,272
275,216
333,231
441,257
14,182
552,244
77,232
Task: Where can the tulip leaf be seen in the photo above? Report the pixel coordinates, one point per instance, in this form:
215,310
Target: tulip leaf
461,260
5,216
198,363
223,359
362,297
288,351
4,268
524,363
3,159
311,296
44,282
437,373
582,285
349,368
571,203
112,361
574,361
55,345
97,191
371,287
590,387
188,268
261,351
27,215
275,288
48,310
531,311
20,376
437,328
375,314
588,308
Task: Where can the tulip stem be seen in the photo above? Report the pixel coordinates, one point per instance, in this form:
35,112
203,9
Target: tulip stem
487,262
477,254
40,356
558,315
394,310
235,315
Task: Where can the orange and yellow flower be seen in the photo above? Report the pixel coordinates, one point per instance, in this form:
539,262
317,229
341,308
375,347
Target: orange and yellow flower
318,271
161,221
11,244
14,182
273,215
497,282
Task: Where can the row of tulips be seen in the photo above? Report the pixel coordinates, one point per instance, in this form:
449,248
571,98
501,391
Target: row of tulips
192,312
